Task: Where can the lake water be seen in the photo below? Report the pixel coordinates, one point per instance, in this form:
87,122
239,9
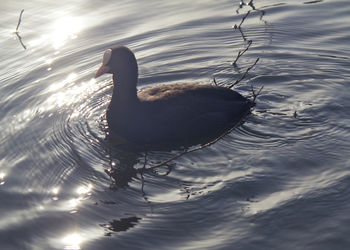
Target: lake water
279,181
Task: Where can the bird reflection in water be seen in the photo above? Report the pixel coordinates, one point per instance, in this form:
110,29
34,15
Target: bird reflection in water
121,225
122,172
122,169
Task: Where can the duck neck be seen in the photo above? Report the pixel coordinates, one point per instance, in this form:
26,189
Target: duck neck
124,92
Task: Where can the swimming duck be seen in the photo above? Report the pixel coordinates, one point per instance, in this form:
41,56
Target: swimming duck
170,114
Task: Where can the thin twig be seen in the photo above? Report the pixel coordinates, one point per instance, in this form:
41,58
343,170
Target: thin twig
214,80
240,6
251,4
19,20
20,40
242,34
17,32
170,167
245,74
144,161
239,26
143,179
240,53
255,95
245,16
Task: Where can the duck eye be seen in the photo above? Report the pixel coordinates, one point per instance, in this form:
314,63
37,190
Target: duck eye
107,57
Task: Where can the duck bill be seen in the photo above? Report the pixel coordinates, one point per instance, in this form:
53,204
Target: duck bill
102,70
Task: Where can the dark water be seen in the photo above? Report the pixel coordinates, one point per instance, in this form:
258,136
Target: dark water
280,181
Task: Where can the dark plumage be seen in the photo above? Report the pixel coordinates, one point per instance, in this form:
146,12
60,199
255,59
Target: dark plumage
174,114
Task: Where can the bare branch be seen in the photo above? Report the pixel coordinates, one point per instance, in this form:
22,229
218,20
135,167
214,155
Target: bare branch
255,95
20,40
251,4
245,16
214,80
143,179
17,32
242,34
240,53
245,74
239,26
19,20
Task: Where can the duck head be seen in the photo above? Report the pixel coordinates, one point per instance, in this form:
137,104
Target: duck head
121,62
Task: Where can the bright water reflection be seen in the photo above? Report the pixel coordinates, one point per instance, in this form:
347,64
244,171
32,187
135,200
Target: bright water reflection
64,29
2,178
72,241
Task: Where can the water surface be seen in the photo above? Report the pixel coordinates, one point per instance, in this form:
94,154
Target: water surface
279,181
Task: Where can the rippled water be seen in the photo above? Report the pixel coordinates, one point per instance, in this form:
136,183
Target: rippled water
279,181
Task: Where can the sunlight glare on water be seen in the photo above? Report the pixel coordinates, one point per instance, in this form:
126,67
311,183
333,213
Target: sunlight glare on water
55,191
66,28
84,190
62,30
72,241
73,204
2,178
68,92
56,86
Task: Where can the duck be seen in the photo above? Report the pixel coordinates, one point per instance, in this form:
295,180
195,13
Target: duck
169,114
